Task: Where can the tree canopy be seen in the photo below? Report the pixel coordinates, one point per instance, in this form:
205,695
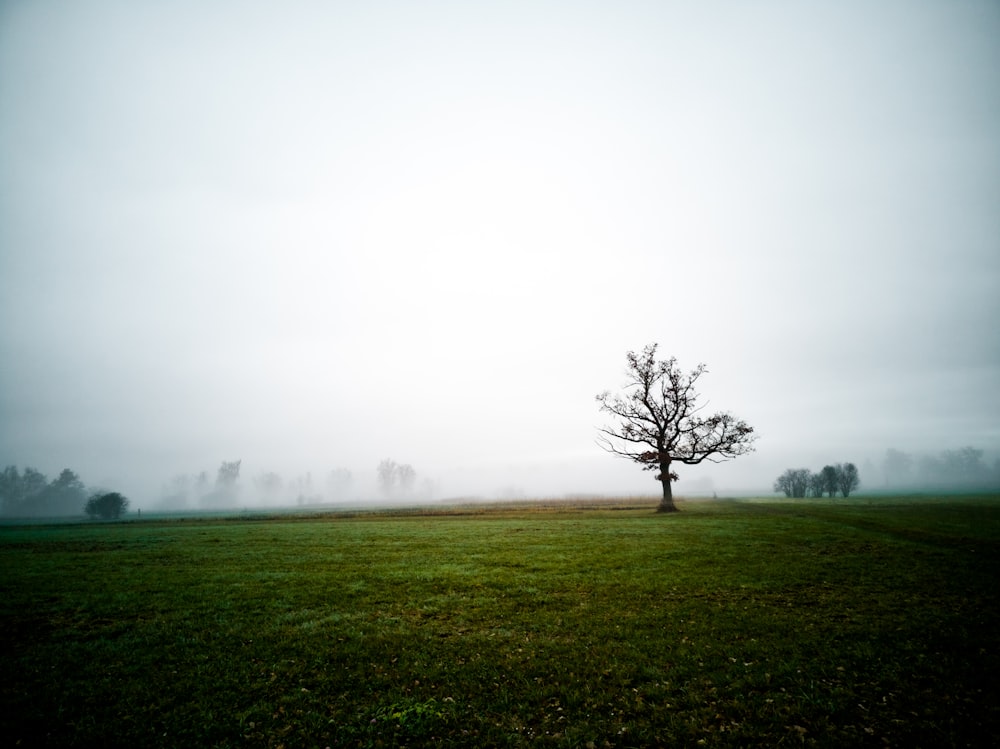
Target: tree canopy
107,506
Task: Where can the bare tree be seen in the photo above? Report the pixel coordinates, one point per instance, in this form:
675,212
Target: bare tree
338,483
387,475
794,482
226,489
393,476
658,421
847,478
229,474
829,480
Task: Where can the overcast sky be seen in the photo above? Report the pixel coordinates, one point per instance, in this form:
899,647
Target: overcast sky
312,235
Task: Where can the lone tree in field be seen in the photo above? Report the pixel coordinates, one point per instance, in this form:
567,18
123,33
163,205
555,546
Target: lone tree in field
106,506
658,421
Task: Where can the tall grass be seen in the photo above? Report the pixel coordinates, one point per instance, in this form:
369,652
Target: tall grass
848,623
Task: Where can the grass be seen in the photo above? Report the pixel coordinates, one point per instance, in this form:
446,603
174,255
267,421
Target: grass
862,622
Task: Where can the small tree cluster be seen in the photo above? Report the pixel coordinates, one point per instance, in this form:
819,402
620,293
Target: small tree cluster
394,478
268,488
107,506
801,482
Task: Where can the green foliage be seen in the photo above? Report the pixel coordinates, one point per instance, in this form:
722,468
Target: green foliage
834,623
107,506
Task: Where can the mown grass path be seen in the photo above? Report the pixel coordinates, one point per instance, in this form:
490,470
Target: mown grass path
732,623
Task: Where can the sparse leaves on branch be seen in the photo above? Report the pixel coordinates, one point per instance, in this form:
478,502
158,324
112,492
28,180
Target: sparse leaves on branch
657,421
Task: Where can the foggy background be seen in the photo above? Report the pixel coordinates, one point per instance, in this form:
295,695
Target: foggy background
313,236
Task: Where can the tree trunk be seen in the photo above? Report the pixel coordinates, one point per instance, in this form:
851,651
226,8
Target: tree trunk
667,503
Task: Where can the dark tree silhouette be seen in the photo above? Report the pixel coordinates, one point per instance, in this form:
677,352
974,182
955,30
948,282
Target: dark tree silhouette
658,421
847,478
106,506
829,480
16,489
794,482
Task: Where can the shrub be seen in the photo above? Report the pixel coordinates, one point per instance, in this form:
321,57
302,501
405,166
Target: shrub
106,506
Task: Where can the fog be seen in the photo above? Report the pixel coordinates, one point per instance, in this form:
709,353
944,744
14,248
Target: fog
314,236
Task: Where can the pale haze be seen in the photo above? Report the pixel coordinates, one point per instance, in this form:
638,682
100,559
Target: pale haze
316,235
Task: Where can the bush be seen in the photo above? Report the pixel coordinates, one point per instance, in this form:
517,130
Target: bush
106,506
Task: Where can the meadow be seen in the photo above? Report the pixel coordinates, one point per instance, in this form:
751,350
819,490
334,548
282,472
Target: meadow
860,622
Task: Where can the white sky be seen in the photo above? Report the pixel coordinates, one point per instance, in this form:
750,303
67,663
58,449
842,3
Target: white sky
315,234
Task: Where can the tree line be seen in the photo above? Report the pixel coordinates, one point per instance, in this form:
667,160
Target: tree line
393,481
963,468
227,490
831,480
29,493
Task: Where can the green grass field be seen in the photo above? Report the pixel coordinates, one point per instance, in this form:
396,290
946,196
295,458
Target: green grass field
861,622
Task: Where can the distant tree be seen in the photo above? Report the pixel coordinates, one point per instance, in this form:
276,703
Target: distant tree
29,494
64,495
201,483
33,481
305,494
229,474
226,486
176,492
106,506
16,489
338,483
269,486
817,484
393,477
897,466
930,470
658,421
10,490
965,465
800,482
962,469
794,482
847,478
829,480
386,472
407,477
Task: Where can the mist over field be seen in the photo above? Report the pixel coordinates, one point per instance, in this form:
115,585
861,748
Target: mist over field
316,237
